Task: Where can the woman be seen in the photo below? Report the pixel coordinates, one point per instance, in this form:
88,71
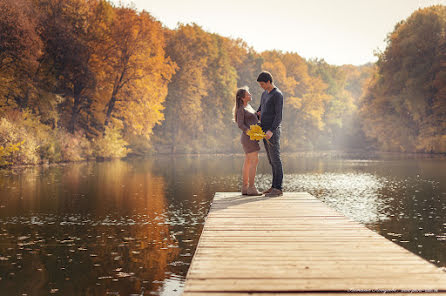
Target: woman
245,116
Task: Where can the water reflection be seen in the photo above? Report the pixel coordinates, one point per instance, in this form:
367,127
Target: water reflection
85,229
131,227
356,195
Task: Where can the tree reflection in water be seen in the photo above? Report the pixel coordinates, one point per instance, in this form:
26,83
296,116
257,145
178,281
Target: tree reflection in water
131,227
85,229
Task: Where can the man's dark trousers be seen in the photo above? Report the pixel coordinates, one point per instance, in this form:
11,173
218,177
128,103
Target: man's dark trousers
273,152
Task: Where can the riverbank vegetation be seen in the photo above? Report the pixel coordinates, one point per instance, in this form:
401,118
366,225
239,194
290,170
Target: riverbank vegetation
85,79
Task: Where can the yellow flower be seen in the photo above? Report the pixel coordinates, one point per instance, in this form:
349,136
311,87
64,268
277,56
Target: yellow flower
255,133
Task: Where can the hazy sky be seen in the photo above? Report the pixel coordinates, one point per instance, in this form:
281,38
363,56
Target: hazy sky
340,31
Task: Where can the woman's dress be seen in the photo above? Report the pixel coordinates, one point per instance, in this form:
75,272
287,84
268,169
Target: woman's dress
246,116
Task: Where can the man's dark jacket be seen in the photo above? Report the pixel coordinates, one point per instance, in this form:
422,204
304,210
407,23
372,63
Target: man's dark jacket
271,109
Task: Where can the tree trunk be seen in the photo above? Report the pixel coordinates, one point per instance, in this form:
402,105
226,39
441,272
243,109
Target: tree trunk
111,104
74,114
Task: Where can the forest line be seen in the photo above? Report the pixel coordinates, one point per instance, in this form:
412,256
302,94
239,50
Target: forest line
82,79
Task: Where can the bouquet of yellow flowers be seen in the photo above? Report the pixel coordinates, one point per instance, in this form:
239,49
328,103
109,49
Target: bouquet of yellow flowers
255,133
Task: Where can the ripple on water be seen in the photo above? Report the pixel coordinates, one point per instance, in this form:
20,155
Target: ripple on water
356,195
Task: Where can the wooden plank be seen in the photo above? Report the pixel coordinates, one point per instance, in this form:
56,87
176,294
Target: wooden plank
414,282
289,273
296,243
352,293
337,246
295,269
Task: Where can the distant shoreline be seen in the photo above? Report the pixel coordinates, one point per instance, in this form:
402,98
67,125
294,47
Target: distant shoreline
324,154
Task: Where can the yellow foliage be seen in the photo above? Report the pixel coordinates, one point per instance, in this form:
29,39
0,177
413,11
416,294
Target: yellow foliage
132,71
295,102
15,128
111,144
7,152
255,133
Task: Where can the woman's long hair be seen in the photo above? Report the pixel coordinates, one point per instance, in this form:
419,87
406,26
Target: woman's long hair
241,92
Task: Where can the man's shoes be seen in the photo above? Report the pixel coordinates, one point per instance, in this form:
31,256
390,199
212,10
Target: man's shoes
274,193
244,189
268,191
252,191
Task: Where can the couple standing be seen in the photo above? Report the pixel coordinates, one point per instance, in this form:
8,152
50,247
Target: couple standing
270,116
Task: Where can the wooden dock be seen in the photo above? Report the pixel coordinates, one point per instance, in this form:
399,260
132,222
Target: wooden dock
297,245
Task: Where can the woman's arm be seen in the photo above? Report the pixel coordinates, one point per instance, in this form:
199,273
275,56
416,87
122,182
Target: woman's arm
241,119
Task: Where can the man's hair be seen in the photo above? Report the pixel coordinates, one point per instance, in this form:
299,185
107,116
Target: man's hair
265,76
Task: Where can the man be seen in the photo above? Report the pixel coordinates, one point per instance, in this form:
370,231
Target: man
270,114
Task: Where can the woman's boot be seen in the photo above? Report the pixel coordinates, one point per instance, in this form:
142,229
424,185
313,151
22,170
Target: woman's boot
244,189
252,191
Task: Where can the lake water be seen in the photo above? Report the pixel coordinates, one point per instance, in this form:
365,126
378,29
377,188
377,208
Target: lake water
130,227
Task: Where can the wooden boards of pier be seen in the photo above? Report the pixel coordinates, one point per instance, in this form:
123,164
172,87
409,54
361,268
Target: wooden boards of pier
297,245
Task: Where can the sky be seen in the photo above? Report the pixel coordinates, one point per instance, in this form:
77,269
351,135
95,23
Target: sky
338,31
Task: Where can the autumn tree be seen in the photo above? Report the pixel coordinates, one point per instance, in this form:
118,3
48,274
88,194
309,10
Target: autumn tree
304,98
248,64
190,48
345,87
20,49
219,101
133,71
65,68
116,79
404,108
